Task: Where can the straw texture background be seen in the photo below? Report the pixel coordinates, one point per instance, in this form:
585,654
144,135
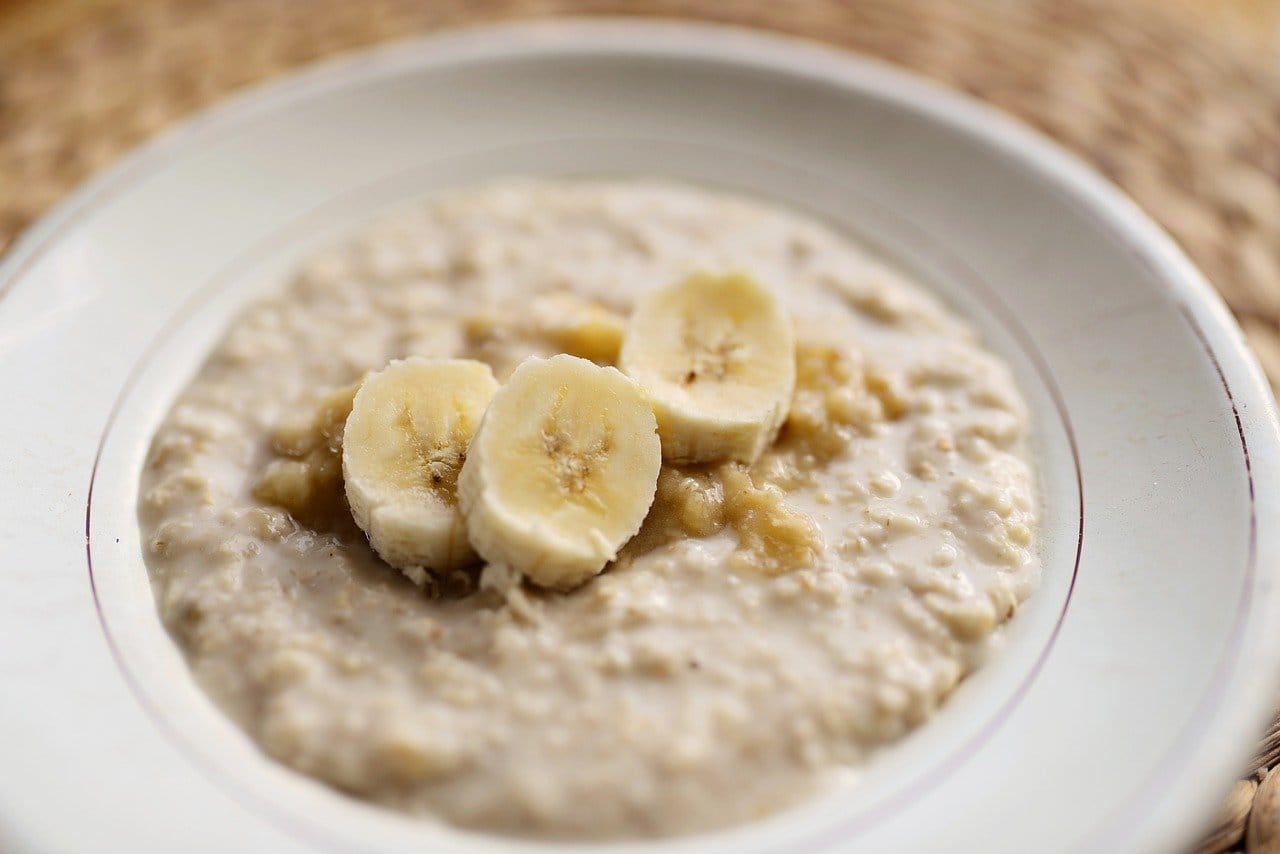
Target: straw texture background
1178,102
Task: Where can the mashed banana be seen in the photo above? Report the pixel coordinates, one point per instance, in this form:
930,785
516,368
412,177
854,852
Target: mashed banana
769,628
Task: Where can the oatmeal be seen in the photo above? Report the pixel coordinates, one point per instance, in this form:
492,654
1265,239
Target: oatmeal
773,623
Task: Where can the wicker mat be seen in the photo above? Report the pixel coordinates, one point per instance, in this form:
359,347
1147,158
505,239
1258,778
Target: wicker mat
1184,116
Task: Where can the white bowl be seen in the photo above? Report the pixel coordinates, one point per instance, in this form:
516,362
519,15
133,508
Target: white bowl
1132,684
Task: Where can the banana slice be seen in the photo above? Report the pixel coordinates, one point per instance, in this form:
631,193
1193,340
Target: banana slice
405,441
562,471
717,355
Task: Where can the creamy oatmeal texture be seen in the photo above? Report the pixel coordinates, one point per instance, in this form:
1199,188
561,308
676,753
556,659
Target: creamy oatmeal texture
767,630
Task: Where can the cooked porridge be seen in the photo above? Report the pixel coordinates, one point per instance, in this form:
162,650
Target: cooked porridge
769,627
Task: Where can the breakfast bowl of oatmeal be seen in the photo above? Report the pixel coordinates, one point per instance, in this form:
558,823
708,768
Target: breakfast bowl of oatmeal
626,490
631,435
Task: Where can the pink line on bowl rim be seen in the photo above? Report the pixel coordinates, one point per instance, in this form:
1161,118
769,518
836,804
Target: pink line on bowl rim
1141,801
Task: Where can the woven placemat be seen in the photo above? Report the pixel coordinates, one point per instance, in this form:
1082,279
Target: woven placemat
1183,115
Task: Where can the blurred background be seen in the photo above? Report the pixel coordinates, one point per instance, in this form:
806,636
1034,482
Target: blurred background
1177,101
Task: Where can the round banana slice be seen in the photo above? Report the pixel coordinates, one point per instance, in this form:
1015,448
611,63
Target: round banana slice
717,355
404,444
562,471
